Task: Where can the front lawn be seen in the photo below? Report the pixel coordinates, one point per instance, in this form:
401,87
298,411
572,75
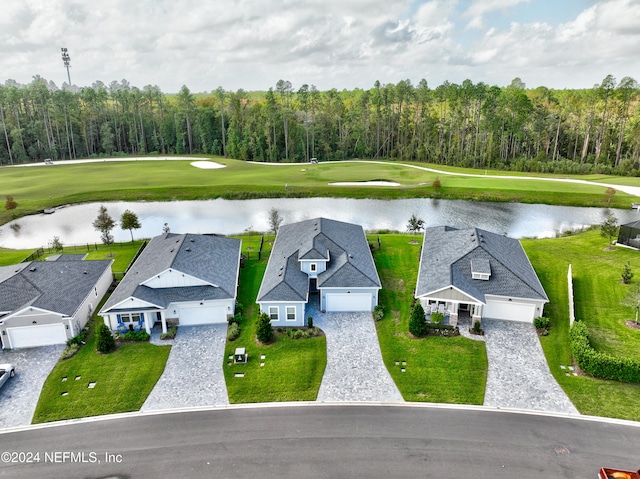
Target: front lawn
13,256
293,368
598,293
446,370
123,380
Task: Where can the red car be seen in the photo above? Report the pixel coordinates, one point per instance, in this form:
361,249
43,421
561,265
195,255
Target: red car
607,473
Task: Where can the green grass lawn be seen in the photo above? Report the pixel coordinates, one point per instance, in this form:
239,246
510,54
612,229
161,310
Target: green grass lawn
123,380
292,369
13,256
38,188
598,293
121,253
447,370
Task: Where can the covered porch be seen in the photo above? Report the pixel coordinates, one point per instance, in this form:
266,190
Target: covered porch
453,310
138,320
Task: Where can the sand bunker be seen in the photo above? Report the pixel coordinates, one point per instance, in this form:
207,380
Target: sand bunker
207,165
365,183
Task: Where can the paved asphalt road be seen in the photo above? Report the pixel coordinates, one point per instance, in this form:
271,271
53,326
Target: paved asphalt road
326,441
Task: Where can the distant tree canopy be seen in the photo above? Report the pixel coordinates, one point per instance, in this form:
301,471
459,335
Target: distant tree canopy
471,125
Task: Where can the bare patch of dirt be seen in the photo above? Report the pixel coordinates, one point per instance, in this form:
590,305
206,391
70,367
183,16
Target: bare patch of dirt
632,324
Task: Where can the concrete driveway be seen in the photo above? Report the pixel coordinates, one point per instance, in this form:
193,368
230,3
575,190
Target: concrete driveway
193,374
519,376
19,396
355,371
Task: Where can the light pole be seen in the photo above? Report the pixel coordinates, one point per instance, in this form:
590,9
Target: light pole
66,59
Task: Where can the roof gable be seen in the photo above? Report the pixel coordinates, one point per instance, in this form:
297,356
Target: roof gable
209,259
350,261
57,286
448,254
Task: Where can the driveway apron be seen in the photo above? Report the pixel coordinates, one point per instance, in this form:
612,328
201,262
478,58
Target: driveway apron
193,374
19,396
519,376
355,371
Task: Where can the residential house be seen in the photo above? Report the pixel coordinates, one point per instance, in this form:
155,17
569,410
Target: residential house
49,302
185,279
320,258
477,273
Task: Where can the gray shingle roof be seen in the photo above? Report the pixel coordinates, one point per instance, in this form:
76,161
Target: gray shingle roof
59,286
446,258
350,262
211,258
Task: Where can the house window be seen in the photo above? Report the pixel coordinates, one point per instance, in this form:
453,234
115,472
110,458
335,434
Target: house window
130,318
291,313
313,267
273,313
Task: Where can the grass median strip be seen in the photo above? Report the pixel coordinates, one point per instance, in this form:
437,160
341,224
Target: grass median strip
292,369
598,296
437,369
122,380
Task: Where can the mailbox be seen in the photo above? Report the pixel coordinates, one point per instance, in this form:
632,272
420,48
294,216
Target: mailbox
240,356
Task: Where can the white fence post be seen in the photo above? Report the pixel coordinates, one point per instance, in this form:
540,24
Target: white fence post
572,314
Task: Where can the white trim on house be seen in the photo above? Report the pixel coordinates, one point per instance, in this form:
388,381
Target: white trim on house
167,279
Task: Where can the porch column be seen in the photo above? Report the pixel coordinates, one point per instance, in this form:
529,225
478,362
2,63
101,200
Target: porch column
453,314
477,313
163,320
147,322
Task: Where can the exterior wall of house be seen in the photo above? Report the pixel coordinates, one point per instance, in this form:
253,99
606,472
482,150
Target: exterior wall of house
27,316
534,308
173,279
281,308
325,291
90,303
305,267
174,309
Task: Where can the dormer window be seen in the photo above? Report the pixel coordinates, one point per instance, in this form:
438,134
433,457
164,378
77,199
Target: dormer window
313,267
480,269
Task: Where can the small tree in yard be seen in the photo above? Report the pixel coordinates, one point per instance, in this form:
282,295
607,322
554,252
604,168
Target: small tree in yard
105,342
264,331
274,220
415,224
609,193
609,227
104,223
129,221
418,321
10,203
633,299
55,244
627,274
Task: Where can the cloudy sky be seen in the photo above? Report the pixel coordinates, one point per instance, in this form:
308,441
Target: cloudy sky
251,44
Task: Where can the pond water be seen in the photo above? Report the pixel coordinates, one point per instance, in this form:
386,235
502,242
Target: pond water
73,224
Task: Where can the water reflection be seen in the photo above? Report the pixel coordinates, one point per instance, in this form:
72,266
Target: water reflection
72,224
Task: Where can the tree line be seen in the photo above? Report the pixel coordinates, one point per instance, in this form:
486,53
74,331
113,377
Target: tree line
471,125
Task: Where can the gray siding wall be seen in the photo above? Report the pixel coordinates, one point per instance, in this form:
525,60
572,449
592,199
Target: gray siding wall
282,316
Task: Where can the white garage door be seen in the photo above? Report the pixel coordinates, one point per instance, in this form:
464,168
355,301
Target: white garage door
511,311
203,315
349,302
32,336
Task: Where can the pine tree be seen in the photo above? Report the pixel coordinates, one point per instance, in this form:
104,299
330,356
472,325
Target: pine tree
418,321
105,342
264,331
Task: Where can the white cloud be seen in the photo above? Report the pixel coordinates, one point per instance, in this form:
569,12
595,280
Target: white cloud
251,44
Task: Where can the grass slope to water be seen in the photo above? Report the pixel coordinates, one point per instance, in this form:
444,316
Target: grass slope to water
446,370
36,188
598,293
293,368
123,380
